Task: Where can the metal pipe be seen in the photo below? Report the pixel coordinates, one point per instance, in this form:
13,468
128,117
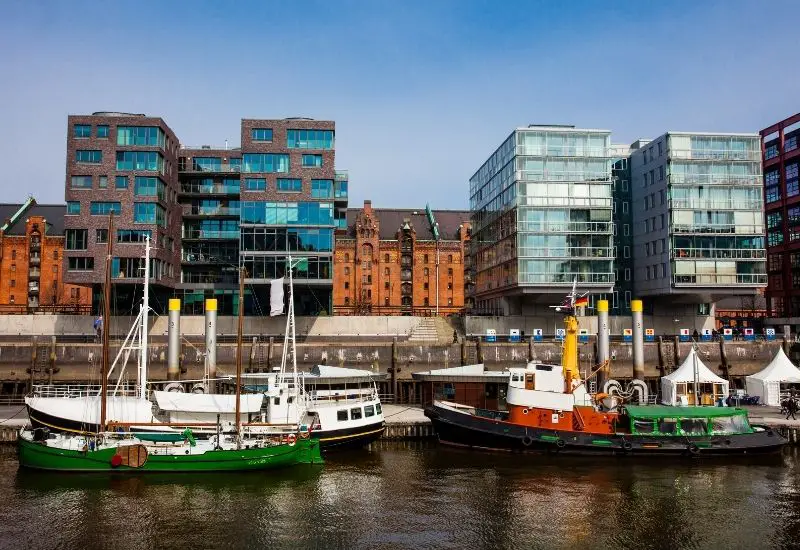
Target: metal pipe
174,340
145,327
603,343
211,343
638,340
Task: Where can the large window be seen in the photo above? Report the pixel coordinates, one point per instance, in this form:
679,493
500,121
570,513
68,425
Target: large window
261,134
774,219
771,151
206,164
128,236
772,194
288,213
255,184
149,212
265,163
121,182
774,238
312,161
149,187
102,131
792,189
76,239
73,207
80,264
290,185
309,139
278,239
105,208
274,267
140,135
140,160
81,182
127,268
321,189
91,157
83,131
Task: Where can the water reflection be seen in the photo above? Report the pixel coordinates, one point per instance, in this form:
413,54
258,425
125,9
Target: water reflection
413,496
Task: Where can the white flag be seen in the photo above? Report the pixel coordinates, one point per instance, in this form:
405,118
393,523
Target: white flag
276,297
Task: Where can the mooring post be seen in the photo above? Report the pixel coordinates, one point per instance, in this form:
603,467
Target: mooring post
603,343
479,350
638,340
211,343
52,370
174,340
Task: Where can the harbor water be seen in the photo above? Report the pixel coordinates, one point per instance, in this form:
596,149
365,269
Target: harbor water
415,495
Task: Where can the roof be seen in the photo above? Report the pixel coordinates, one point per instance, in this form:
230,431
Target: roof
391,219
207,403
779,369
467,373
665,411
685,373
327,372
53,213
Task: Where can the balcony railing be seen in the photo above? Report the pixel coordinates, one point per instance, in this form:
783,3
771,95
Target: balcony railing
35,260
34,273
567,252
720,279
549,175
194,210
718,253
210,189
341,175
716,154
209,278
709,179
215,169
718,228
563,151
565,227
33,287
195,258
209,234
561,202
565,278
698,204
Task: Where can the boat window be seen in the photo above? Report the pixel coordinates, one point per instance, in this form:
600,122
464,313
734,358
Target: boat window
516,378
644,425
449,391
694,426
740,423
668,425
723,425
291,399
548,368
341,415
378,409
369,410
355,414
277,401
529,383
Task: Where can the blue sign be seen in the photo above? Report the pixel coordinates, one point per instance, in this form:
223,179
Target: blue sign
513,335
649,334
583,336
706,336
560,333
627,334
537,334
491,335
749,335
770,334
727,333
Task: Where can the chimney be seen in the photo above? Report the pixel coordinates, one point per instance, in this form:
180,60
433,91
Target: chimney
367,206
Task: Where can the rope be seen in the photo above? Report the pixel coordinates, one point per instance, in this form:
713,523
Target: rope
14,415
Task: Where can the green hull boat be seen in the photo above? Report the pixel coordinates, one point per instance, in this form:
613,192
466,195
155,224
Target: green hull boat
144,457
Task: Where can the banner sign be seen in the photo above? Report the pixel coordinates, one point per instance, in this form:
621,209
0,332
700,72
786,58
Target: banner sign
513,335
537,334
685,336
627,334
491,335
649,334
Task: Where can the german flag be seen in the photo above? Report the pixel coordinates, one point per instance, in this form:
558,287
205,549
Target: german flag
582,301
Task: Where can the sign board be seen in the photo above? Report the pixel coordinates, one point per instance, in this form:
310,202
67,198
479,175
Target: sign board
583,336
513,335
627,334
649,334
727,333
560,333
537,334
491,335
749,334
706,336
770,334
554,418
685,336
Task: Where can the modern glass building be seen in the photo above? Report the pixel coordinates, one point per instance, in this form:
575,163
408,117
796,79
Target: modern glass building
542,218
698,218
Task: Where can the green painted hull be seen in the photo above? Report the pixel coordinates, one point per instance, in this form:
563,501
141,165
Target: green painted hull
38,456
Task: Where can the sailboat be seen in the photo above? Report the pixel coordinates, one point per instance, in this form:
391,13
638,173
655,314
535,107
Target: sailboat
119,450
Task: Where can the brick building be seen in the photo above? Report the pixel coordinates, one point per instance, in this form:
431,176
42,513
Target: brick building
400,262
31,256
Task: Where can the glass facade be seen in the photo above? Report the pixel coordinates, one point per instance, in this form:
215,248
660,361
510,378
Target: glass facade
149,187
309,139
140,135
149,161
312,161
287,213
105,208
149,212
267,163
90,157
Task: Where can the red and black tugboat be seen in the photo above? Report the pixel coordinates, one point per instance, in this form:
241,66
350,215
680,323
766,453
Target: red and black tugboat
550,410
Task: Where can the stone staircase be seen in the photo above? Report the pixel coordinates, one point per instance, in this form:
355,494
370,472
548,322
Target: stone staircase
425,331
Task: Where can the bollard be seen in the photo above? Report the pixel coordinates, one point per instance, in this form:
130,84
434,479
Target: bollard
638,340
479,350
174,340
211,344
530,349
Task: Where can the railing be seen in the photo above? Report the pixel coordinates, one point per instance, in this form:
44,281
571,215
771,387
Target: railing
209,234
709,179
216,169
416,311
549,175
565,227
194,210
81,390
211,189
716,205
34,273
568,252
341,175
209,278
716,154
717,279
588,202
719,228
719,253
33,287
563,151
193,257
565,278
35,260
207,147
35,245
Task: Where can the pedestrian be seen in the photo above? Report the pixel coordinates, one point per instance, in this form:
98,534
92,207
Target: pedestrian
98,328
695,334
791,407
455,337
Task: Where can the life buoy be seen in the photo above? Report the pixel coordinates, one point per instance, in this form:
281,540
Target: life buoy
292,439
527,441
561,443
626,446
693,449
116,461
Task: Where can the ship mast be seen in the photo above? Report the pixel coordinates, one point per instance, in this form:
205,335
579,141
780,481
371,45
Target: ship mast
106,325
239,331
569,349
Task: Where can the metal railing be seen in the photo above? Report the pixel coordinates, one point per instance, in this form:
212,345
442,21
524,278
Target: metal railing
565,278
719,253
565,227
562,151
568,252
566,201
209,234
718,228
80,390
550,175
196,210
700,204
720,279
715,154
217,189
215,169
709,179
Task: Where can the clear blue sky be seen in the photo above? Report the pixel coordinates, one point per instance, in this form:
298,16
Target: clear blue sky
421,91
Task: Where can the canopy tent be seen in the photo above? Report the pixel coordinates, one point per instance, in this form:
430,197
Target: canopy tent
678,387
767,382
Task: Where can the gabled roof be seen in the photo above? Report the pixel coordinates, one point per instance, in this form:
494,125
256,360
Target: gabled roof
52,213
391,219
779,369
685,373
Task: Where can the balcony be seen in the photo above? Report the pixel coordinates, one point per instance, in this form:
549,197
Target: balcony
563,151
697,204
566,278
718,254
710,179
210,278
565,227
718,229
216,189
212,169
600,253
33,287
550,175
706,279
194,210
35,246
342,175
200,258
209,234
35,260
34,273
564,202
715,154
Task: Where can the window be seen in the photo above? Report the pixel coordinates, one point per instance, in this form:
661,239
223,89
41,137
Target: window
386,260
369,410
347,271
790,144
105,208
425,259
73,207
644,182
449,286
102,131
386,301
91,157
773,194
76,239
647,248
450,271
386,285
661,173
627,274
774,219
151,161
378,408
774,238
81,182
626,229
661,195
425,271
627,252
13,283
312,161
55,269
101,236
347,284
771,152
290,185
425,301
386,271
132,236
255,184
647,271
83,131
347,300
792,188
425,286
103,182
140,135
309,139
149,187
341,415
321,189
660,148
624,207
265,163
793,215
261,134
149,212
14,254
355,413
80,264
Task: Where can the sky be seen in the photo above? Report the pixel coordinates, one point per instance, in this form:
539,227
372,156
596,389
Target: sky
422,92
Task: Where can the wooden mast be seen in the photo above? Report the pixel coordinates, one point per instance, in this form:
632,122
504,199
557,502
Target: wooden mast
239,332
106,324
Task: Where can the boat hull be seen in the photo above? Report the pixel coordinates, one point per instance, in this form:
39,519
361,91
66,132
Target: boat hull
468,430
349,438
39,456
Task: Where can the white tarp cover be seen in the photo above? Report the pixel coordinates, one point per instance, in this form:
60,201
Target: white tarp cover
326,371
207,403
466,370
686,374
276,297
767,382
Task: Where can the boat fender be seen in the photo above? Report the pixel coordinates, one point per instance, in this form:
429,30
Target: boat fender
116,461
727,442
694,449
525,411
292,439
626,446
561,443
527,441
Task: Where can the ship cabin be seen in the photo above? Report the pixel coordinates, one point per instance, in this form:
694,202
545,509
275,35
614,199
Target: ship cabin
667,421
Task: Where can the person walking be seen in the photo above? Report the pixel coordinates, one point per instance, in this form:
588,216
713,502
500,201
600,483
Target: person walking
98,328
791,407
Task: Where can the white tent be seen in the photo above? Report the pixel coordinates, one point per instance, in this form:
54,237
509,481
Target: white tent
680,383
767,383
